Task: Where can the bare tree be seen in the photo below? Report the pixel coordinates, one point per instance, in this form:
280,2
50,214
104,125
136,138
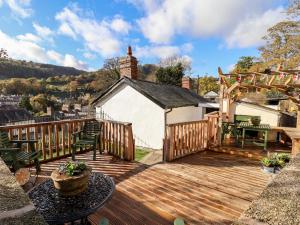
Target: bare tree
175,60
3,54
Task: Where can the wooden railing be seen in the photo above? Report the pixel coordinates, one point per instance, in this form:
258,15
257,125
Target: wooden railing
55,138
186,138
212,129
117,139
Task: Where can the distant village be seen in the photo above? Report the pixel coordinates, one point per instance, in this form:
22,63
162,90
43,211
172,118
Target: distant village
11,113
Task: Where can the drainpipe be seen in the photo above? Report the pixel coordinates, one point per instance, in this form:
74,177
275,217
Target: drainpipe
165,131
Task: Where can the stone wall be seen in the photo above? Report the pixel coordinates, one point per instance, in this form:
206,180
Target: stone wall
15,207
279,203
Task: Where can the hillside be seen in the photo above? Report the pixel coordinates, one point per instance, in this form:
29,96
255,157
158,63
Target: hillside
10,68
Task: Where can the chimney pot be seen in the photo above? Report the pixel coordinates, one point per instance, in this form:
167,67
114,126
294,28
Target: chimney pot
129,51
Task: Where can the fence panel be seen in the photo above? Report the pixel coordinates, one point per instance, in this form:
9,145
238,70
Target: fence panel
186,138
117,139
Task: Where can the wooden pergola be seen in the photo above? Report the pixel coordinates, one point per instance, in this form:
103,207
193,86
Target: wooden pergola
232,85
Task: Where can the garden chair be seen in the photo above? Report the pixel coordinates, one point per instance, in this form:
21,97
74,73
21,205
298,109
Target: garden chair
179,221
12,154
104,221
89,136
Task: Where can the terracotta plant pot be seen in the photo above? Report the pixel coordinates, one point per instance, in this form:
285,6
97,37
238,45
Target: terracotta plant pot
71,185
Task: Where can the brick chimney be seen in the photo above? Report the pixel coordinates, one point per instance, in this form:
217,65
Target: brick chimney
186,82
50,111
128,65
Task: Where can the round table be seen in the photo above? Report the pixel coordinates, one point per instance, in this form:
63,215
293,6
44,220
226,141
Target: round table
58,209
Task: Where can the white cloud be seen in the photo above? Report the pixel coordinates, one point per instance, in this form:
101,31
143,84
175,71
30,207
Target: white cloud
19,7
120,25
66,60
206,18
89,55
99,36
70,60
21,47
230,67
66,30
55,56
162,51
250,31
43,31
29,37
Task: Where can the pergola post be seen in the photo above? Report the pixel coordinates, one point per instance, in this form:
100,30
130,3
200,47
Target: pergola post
298,116
220,113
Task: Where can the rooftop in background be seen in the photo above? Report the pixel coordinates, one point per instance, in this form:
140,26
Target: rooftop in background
12,113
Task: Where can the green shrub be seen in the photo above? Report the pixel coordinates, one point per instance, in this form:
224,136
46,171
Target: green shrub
72,168
276,159
268,162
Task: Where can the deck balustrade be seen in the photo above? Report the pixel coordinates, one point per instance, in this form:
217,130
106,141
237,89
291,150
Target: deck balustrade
186,138
55,138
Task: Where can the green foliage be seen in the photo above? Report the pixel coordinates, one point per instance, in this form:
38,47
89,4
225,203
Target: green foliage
71,168
170,75
244,64
208,83
276,159
40,103
282,45
268,162
25,103
147,72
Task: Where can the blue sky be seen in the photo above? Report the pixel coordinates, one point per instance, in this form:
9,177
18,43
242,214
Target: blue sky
206,33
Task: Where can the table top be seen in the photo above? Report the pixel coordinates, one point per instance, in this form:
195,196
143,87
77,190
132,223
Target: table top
57,209
251,126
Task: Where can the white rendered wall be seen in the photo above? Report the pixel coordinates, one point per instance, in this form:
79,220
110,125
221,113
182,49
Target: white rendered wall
185,114
267,116
147,118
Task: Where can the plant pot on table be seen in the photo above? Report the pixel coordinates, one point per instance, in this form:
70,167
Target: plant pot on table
71,185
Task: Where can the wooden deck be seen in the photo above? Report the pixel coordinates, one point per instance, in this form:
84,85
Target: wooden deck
252,152
203,188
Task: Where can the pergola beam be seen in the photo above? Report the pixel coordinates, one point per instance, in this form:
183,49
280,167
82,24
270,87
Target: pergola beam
267,82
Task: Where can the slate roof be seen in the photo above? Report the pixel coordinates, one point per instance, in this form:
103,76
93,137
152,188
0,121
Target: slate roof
166,96
211,94
10,113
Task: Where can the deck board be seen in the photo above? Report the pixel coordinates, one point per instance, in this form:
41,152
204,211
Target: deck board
204,188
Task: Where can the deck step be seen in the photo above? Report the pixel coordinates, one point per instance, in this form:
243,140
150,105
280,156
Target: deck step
234,151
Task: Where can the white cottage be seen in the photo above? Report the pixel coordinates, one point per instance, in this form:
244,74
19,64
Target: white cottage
147,105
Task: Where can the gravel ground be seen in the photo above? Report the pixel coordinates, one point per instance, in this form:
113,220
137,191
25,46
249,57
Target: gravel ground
279,203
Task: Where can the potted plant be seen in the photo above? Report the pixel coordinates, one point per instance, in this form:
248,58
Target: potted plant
282,159
71,178
268,164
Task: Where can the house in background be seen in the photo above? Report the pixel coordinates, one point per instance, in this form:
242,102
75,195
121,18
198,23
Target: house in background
147,105
211,96
268,115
